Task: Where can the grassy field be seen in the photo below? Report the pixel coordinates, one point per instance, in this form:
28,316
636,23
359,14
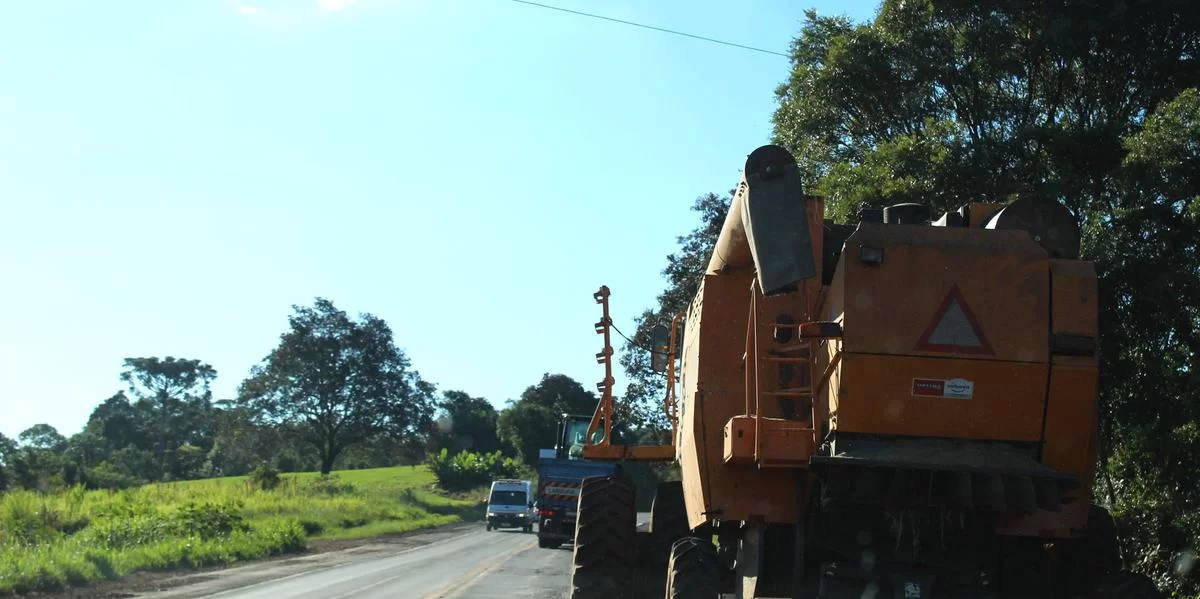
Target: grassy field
49,542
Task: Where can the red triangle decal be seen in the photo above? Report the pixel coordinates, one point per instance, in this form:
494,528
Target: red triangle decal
954,329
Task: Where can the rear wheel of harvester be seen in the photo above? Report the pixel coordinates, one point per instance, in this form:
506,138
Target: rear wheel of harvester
668,520
605,539
693,571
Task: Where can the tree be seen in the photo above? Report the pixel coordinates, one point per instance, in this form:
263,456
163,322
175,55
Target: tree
1090,102
465,423
530,422
241,444
642,403
87,448
38,460
8,452
335,382
173,408
42,437
116,421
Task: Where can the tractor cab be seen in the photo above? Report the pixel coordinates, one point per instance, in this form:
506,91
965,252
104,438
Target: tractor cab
572,434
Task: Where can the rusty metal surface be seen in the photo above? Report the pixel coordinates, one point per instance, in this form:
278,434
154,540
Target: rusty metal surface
940,454
1075,297
984,292
1072,421
713,393
978,213
875,394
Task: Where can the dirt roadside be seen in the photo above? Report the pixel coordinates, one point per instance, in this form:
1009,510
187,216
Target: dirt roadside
320,554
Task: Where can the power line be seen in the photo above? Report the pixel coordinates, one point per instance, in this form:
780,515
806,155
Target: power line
630,341
653,28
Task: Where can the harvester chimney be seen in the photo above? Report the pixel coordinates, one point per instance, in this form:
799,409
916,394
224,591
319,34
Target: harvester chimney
767,225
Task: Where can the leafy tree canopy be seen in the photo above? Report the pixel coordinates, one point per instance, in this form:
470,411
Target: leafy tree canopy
465,423
42,436
530,422
335,382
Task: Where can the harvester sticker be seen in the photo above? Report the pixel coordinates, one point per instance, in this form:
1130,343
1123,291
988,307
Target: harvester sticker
951,388
954,329
561,490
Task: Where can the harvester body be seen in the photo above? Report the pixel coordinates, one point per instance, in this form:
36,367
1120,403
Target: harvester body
895,407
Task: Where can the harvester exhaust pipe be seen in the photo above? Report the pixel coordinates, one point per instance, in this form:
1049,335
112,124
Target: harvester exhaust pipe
767,225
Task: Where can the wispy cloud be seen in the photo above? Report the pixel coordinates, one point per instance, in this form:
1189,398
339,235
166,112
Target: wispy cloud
333,5
246,9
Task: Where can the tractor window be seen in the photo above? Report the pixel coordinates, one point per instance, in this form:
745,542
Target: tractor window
576,432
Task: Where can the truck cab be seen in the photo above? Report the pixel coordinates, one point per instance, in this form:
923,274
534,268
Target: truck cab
510,505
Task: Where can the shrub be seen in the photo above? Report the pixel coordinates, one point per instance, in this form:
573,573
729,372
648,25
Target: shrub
210,521
107,476
264,477
26,518
132,531
467,470
329,485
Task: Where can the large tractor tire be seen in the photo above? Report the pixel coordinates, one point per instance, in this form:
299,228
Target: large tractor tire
605,539
668,520
693,571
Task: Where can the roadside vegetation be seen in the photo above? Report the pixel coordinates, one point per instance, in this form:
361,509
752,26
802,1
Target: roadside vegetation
76,536
467,470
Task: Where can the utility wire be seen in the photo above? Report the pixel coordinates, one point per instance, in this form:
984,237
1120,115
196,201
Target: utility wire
651,27
630,341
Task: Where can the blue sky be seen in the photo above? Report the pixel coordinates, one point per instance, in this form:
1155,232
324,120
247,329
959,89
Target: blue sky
175,175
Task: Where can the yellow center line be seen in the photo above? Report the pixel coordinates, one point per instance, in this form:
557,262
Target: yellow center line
478,572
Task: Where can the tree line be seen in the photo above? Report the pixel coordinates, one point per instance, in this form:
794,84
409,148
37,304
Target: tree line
336,392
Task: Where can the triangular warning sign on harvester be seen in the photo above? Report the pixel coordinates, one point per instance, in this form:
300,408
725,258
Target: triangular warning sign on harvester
954,329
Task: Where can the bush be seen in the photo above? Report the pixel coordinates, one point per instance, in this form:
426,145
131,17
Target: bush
117,533
467,470
210,521
27,519
329,485
264,477
107,476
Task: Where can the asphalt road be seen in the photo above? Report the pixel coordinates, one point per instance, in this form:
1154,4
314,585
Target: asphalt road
476,565
464,563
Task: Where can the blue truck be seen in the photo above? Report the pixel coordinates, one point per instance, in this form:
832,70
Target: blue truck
561,471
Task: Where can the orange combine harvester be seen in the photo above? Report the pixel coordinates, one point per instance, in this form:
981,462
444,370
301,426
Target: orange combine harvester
899,408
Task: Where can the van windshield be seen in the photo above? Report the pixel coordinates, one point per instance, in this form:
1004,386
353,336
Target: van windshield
507,498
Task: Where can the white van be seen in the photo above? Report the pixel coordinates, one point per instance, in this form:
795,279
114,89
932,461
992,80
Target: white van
510,505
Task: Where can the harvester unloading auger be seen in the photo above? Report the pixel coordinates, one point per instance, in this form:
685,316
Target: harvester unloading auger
893,409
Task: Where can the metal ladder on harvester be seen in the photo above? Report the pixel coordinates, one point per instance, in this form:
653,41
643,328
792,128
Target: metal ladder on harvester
780,369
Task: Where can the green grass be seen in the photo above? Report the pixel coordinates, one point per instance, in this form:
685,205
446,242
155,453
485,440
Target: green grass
49,542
